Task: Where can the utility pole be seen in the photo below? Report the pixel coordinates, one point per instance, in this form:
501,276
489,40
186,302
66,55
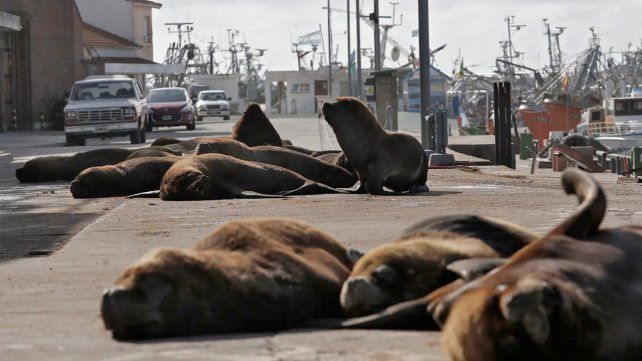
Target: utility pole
350,92
424,68
329,50
377,37
358,52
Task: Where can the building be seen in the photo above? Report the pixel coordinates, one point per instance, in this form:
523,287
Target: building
41,56
48,45
303,92
118,36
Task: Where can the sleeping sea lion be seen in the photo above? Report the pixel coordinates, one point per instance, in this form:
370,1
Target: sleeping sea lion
217,176
393,160
254,128
129,177
155,151
184,146
254,275
418,262
66,168
572,295
302,164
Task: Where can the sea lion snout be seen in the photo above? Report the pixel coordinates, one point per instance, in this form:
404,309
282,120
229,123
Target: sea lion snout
359,296
21,175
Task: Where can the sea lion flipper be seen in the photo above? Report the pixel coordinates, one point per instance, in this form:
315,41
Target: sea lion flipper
473,268
310,188
404,315
250,194
150,194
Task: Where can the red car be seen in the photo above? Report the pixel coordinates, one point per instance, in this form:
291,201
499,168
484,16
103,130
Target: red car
169,107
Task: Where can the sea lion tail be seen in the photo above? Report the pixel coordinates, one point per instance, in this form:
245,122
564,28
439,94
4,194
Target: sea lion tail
589,215
150,194
404,315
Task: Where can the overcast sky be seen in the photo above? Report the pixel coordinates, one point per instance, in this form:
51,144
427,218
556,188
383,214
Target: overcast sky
473,26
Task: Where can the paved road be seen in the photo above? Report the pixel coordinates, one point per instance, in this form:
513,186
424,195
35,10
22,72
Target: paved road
63,252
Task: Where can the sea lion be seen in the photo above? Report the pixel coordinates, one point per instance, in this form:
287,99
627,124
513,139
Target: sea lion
393,160
338,159
155,151
572,295
254,275
217,176
129,177
418,262
307,166
184,146
254,128
66,168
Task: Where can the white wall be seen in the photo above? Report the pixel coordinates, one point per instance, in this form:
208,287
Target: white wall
114,16
140,35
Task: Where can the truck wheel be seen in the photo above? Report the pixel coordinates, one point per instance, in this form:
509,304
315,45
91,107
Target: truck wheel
74,140
227,117
136,137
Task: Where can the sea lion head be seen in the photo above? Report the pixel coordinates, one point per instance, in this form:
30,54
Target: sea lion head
394,273
515,319
185,184
221,146
88,183
344,107
43,169
164,294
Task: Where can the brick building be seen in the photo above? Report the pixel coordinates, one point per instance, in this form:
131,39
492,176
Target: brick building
41,57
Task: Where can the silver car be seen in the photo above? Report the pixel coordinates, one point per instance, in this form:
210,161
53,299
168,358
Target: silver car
105,107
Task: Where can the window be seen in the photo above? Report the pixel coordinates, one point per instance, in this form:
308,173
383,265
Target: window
103,90
636,107
148,29
320,87
212,96
167,96
621,107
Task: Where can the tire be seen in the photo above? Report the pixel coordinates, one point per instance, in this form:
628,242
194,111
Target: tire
227,117
136,137
74,140
191,126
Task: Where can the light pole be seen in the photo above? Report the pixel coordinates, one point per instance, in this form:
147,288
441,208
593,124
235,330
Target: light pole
377,37
358,52
350,92
329,51
424,68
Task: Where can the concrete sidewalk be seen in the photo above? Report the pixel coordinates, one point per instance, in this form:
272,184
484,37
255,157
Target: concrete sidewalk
50,300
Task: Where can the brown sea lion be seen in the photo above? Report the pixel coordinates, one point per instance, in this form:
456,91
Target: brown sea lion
307,166
247,276
254,128
418,262
572,295
129,177
393,160
155,151
184,146
217,176
338,159
66,168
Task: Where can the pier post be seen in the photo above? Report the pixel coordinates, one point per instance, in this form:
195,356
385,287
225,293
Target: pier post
502,107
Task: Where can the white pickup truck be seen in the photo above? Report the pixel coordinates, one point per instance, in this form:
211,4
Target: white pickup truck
103,107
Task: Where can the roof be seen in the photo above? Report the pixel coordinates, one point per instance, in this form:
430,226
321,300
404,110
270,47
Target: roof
124,60
95,36
147,2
